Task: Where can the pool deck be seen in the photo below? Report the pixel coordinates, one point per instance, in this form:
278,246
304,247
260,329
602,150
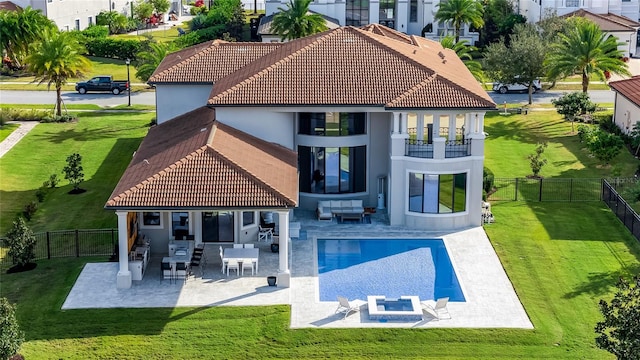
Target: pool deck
491,301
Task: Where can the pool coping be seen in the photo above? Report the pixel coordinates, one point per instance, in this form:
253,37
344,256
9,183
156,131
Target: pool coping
491,301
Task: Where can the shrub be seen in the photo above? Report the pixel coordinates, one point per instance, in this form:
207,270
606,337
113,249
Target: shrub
605,146
95,32
41,193
21,243
29,209
53,181
113,48
603,117
24,114
11,337
487,180
59,119
198,22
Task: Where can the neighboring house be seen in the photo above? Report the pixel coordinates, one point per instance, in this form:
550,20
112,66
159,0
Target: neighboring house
264,29
9,6
623,28
75,14
374,115
413,17
535,11
626,106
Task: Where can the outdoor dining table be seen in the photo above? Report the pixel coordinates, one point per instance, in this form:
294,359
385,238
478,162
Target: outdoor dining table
176,259
239,254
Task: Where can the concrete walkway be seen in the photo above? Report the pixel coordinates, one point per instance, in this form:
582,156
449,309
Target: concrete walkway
16,136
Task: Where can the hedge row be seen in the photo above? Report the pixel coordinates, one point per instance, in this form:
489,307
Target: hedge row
114,48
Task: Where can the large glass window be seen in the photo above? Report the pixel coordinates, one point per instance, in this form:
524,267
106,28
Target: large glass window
387,13
357,12
151,219
180,225
437,194
332,124
413,11
332,170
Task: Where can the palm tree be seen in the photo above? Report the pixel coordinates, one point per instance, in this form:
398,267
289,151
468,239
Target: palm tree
585,50
296,21
55,59
464,50
148,60
19,29
459,12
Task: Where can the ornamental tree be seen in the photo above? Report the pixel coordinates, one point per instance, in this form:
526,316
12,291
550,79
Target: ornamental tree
619,332
21,243
10,335
73,170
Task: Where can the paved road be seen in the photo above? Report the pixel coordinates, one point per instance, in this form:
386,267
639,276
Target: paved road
72,97
148,97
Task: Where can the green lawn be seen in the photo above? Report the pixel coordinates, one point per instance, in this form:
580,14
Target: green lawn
513,137
105,141
6,130
561,258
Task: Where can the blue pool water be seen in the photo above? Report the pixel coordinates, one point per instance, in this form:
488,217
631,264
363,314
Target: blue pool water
356,268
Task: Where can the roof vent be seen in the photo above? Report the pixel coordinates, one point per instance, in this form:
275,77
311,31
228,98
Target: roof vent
441,54
203,129
414,51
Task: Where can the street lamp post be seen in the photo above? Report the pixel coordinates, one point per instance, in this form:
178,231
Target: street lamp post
128,62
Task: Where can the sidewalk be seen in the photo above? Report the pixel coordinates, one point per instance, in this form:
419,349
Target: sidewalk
17,135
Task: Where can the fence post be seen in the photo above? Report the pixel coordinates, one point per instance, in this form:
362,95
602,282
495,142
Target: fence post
48,247
540,192
571,190
77,244
516,189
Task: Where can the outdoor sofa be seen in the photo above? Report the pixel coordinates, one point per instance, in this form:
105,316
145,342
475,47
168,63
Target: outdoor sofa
329,208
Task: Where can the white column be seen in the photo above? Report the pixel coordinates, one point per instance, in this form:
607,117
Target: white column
452,126
123,280
436,126
420,126
404,123
396,123
284,275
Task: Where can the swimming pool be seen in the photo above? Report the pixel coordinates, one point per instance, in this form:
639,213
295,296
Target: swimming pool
357,268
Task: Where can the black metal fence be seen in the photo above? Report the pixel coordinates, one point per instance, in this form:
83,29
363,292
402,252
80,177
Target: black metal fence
620,207
554,189
74,243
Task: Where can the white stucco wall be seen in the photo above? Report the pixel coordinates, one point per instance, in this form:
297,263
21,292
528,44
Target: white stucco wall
65,12
533,11
265,123
625,114
174,100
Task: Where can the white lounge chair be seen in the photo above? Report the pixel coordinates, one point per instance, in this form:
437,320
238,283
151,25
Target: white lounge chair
345,307
265,234
437,309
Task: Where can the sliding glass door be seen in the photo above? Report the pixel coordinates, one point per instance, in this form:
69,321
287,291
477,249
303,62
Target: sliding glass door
217,226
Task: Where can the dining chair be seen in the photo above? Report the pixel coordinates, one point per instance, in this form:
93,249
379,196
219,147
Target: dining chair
233,264
182,271
238,246
198,264
247,264
167,271
248,246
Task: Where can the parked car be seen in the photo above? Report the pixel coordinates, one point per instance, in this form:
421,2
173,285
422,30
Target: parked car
102,83
504,88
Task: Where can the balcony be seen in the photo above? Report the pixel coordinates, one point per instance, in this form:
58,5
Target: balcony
452,148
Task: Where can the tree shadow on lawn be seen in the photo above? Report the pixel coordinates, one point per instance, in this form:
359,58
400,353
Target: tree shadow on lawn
80,135
602,283
591,221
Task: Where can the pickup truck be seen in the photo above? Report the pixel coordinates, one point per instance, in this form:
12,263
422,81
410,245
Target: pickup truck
102,83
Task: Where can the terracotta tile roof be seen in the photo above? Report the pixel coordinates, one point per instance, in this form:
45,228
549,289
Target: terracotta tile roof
9,6
265,23
388,32
629,88
607,22
352,66
208,62
194,161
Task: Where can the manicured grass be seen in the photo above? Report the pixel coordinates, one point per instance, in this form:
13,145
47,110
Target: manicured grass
561,258
6,130
513,137
105,141
135,107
